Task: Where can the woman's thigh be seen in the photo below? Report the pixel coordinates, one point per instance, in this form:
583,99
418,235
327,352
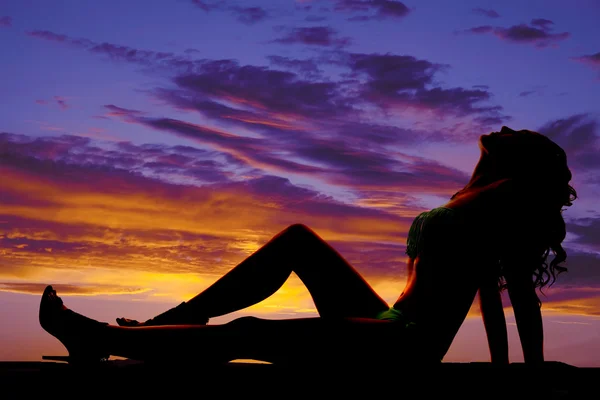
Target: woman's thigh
336,287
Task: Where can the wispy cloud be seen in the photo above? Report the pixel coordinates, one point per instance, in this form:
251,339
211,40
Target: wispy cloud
246,15
117,52
537,33
486,12
308,67
6,21
208,6
59,101
312,36
250,15
579,136
592,60
536,90
70,290
365,10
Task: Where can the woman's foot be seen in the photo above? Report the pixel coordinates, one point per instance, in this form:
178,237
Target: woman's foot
79,334
180,315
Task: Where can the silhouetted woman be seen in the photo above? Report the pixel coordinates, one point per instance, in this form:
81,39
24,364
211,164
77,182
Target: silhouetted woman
493,234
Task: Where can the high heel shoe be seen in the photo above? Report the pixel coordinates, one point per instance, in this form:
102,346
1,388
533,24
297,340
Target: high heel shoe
79,334
179,315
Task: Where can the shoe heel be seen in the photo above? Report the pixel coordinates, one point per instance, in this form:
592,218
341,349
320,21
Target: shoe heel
77,361
56,358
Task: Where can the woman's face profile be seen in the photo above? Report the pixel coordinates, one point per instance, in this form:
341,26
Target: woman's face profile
504,153
493,142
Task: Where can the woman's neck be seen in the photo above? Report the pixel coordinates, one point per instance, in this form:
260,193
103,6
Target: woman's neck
477,191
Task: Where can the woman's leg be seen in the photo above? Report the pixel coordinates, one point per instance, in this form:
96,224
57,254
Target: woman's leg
336,287
280,341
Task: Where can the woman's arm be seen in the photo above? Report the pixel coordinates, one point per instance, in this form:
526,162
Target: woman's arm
492,312
528,315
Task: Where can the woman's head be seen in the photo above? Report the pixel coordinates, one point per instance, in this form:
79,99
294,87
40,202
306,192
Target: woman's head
537,168
524,156
535,164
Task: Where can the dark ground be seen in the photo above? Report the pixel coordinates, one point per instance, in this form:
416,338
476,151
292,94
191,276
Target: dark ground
117,378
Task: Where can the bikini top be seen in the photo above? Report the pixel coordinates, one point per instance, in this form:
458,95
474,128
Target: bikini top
439,227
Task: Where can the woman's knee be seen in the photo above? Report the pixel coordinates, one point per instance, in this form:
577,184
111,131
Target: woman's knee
245,322
299,229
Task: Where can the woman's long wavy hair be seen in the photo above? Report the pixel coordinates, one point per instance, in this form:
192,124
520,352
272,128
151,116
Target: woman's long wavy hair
539,175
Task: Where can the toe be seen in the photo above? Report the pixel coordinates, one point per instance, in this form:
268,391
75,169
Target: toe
48,291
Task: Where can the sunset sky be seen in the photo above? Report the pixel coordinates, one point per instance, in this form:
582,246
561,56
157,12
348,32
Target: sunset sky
147,147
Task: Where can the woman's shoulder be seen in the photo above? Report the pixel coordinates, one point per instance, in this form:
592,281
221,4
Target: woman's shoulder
484,198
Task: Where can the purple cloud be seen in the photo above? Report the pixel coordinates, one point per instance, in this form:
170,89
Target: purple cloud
478,29
6,21
347,165
527,34
62,102
253,150
583,267
256,119
122,111
56,37
347,162
275,103
587,231
207,6
128,54
259,95
486,12
544,24
537,33
47,35
279,91
313,36
579,136
527,93
389,73
250,15
536,90
246,15
118,52
307,67
160,162
373,9
592,60
385,81
404,80
114,111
